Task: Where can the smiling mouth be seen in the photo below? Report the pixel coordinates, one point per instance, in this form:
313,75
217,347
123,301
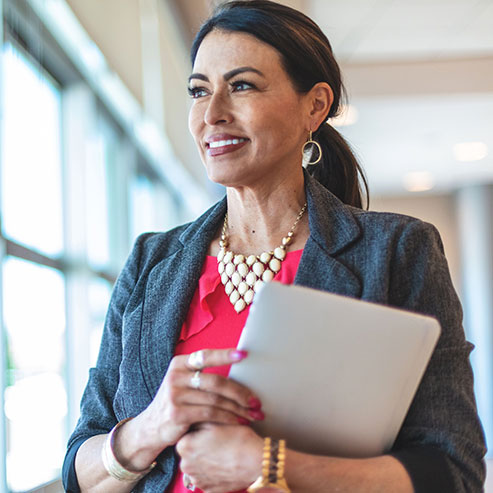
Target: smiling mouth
223,143
219,147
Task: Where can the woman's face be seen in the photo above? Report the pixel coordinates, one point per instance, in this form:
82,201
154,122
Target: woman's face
247,120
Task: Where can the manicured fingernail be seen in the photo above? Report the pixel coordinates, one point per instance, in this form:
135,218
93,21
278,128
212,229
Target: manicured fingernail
258,415
243,421
254,403
238,355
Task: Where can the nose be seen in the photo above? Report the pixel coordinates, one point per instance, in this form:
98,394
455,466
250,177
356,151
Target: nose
218,110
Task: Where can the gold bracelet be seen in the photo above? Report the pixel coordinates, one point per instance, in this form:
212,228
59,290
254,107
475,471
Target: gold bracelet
273,463
111,464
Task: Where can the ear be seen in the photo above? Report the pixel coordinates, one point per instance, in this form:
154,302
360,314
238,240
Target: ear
320,99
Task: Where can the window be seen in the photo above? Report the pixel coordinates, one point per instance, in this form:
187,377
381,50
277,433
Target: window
35,396
33,294
96,199
31,155
99,292
76,188
152,206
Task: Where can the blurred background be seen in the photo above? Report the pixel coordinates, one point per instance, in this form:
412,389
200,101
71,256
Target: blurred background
95,149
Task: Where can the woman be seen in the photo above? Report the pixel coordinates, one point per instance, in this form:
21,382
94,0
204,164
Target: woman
264,80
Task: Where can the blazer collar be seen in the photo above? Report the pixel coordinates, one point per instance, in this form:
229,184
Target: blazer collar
332,225
332,229
203,229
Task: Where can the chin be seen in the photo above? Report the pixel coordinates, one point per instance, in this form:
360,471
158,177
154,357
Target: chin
228,175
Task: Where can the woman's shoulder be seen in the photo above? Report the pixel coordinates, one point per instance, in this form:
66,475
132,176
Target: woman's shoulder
392,235
359,227
162,243
392,225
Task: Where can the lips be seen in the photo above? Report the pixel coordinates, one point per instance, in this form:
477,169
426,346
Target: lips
216,140
224,143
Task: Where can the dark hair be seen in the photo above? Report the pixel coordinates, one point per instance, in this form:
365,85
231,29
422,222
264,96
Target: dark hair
307,57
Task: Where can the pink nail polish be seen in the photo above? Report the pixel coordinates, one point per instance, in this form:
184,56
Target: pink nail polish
243,421
258,415
254,404
238,355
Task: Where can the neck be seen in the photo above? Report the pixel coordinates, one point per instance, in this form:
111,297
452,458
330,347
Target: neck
259,217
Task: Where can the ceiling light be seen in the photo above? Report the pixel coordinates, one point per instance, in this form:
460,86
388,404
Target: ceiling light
418,181
348,115
470,151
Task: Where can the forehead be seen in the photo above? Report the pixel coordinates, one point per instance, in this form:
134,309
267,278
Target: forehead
223,51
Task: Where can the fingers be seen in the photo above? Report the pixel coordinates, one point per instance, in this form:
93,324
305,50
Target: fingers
185,373
207,358
215,391
225,387
217,401
210,414
188,396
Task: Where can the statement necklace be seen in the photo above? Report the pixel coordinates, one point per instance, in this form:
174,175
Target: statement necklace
243,276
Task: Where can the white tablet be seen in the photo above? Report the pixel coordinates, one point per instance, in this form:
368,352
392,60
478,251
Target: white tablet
335,375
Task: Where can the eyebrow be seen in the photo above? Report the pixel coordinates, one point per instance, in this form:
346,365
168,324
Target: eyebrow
227,75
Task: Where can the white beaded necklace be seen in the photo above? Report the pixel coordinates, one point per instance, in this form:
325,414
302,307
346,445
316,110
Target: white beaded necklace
243,276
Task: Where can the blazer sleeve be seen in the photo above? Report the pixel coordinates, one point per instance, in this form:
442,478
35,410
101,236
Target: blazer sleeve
441,442
97,415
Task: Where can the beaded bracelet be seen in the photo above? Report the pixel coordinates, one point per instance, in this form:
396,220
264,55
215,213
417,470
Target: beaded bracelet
111,464
273,462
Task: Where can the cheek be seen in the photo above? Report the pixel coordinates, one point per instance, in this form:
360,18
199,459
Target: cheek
279,132
278,120
195,118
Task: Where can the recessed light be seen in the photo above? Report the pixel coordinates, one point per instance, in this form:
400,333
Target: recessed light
419,181
348,115
470,151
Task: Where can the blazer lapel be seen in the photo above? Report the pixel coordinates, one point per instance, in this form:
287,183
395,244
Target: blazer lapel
318,270
169,291
332,229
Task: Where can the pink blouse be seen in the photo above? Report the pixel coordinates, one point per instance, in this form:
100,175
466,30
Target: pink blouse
213,323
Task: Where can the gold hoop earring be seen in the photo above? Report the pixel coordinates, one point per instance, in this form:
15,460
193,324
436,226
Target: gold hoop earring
314,143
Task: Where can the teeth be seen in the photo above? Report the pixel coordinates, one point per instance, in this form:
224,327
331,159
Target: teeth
222,143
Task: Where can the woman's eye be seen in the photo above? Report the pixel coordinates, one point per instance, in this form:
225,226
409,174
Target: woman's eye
197,92
241,85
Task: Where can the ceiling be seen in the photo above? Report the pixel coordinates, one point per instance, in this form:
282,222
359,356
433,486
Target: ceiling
376,30
420,75
409,142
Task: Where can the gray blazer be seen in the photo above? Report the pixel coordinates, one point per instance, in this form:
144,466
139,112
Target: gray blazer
380,257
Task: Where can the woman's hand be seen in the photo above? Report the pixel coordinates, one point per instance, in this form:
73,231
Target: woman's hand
221,458
179,404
